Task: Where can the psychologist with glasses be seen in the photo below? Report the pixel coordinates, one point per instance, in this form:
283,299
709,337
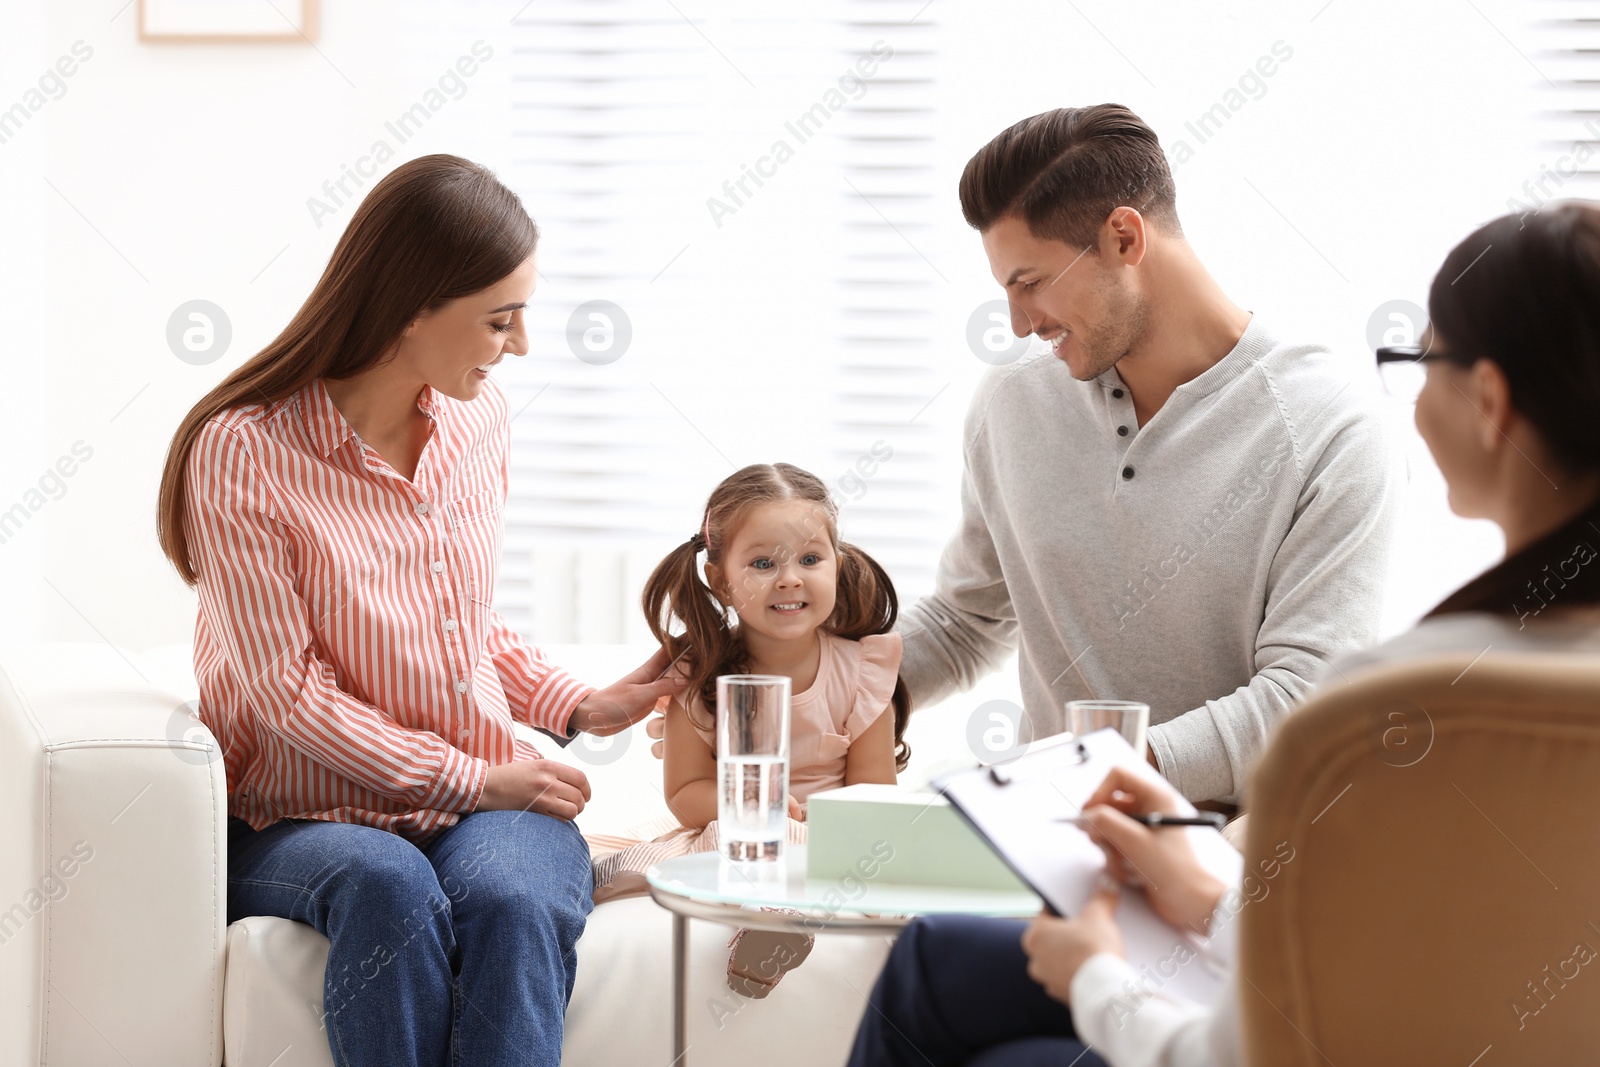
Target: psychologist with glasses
1403,369
1508,376
336,502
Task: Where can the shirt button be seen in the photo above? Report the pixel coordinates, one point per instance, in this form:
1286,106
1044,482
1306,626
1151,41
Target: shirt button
1122,431
1127,473
438,565
1117,393
461,687
449,626
422,507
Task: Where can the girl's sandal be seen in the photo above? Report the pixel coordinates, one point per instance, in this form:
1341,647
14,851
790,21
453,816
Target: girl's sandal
760,958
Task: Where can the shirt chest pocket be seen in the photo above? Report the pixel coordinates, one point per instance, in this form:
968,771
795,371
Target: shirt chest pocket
475,534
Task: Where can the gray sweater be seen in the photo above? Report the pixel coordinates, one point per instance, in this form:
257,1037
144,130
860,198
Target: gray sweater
1209,563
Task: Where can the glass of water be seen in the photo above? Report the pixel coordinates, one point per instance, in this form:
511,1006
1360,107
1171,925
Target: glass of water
1128,717
752,766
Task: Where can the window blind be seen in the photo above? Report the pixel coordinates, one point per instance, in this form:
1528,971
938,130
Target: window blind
708,299
1565,57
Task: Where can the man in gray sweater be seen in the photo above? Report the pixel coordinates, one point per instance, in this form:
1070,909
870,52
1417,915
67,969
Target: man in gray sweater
1173,505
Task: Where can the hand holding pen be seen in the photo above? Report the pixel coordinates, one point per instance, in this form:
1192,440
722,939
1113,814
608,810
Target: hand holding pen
1121,816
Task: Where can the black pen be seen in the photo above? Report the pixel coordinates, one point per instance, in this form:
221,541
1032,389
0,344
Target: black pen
1155,820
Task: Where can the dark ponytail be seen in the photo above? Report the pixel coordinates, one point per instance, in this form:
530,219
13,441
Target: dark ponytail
1524,291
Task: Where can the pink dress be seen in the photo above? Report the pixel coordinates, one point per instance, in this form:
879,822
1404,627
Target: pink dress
855,681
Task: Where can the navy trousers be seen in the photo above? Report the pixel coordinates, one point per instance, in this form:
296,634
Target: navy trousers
956,990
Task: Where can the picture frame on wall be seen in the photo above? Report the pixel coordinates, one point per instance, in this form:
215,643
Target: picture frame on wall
228,21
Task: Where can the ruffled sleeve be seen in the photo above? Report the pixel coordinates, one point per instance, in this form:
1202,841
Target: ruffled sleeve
879,668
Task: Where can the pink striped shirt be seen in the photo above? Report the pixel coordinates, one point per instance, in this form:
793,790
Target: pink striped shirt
349,661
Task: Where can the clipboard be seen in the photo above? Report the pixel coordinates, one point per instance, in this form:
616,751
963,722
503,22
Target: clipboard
1018,809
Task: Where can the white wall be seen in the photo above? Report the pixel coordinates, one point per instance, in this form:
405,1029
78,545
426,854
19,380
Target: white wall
22,293
194,164
183,172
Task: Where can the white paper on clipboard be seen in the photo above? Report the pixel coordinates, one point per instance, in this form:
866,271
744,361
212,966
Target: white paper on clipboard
1021,821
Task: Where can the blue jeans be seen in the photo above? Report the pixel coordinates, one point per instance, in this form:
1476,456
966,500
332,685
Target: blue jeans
457,952
956,990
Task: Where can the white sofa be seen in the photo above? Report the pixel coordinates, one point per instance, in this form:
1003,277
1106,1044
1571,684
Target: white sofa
114,947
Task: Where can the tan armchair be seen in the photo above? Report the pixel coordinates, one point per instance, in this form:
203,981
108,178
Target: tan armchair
1442,900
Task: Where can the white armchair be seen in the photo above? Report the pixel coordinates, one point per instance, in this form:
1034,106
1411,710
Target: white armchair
114,947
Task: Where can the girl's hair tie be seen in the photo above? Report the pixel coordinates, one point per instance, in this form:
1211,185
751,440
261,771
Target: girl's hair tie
698,540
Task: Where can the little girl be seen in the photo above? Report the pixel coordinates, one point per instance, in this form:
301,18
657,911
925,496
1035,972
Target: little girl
808,606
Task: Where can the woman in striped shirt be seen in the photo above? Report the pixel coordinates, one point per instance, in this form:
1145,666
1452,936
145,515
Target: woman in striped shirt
336,502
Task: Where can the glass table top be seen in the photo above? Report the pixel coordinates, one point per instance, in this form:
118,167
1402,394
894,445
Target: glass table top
708,877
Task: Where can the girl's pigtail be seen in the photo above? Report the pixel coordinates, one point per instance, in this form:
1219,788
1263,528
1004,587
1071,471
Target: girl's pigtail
674,591
866,604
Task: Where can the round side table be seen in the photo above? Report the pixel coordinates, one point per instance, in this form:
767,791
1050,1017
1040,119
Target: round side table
707,886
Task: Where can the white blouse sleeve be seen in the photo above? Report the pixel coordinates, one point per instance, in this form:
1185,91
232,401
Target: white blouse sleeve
1131,1026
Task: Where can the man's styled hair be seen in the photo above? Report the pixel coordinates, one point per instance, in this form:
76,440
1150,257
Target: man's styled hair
1064,171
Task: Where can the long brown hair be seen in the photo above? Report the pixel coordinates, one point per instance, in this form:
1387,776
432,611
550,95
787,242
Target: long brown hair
1524,291
865,603
432,230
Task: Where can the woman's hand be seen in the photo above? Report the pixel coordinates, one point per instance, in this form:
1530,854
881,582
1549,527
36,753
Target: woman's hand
621,704
1057,947
1162,861
546,786
796,812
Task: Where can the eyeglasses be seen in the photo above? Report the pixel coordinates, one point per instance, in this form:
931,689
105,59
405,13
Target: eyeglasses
1401,370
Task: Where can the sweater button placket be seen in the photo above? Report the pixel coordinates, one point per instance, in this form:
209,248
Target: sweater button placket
1124,429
